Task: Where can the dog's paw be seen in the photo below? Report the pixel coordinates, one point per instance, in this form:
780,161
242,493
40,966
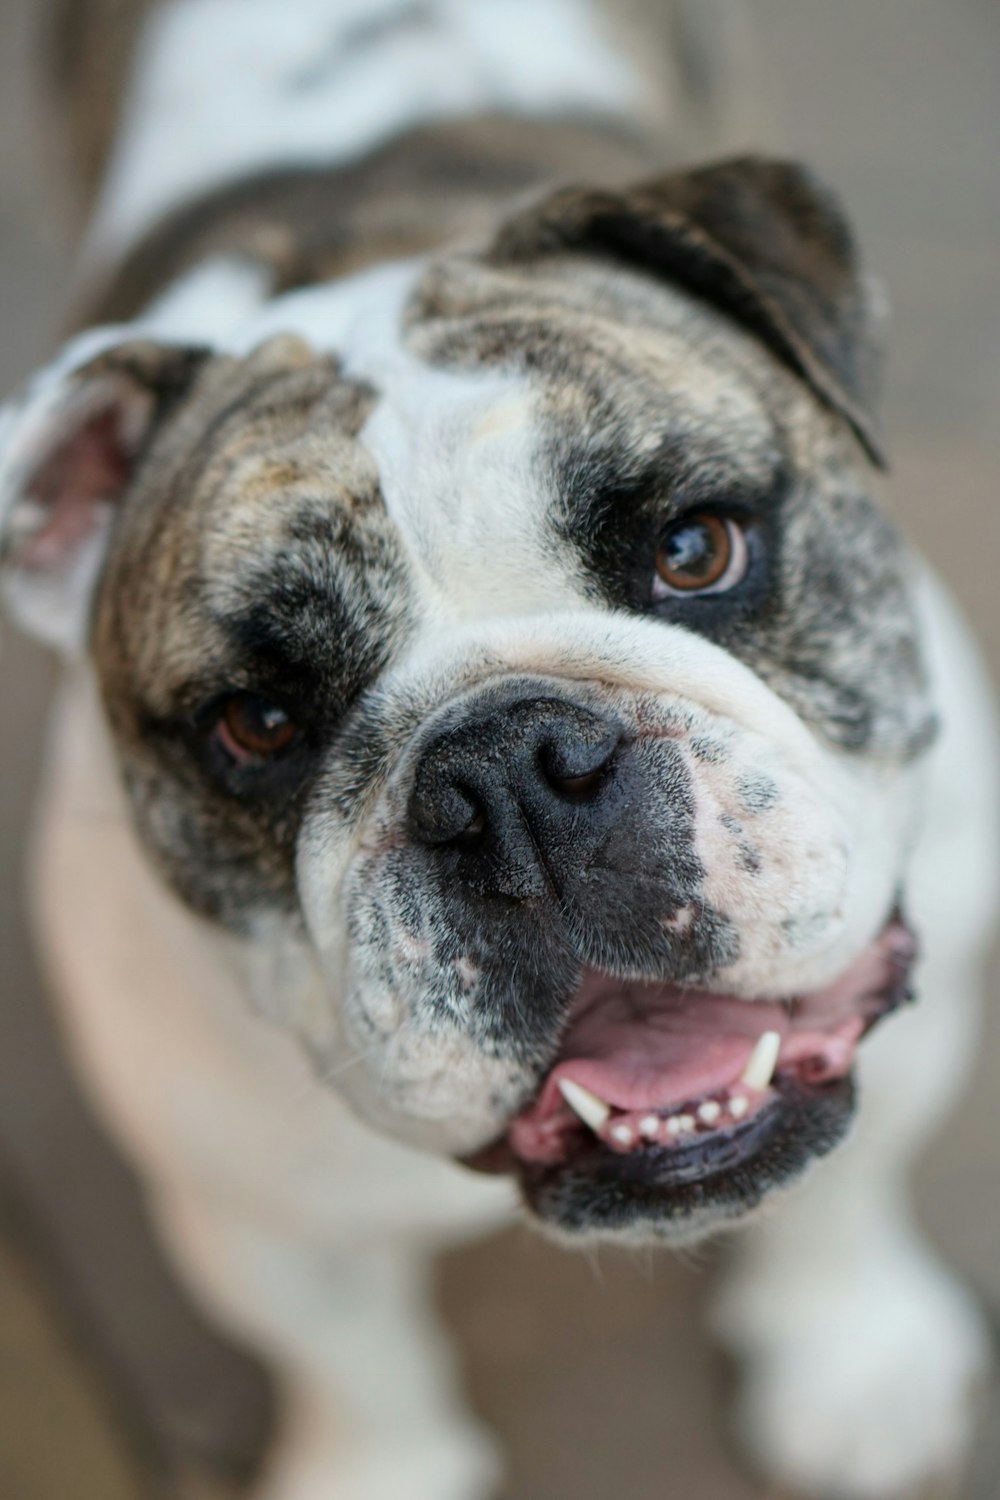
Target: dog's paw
866,1392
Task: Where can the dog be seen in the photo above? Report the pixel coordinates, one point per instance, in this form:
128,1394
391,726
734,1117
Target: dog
504,737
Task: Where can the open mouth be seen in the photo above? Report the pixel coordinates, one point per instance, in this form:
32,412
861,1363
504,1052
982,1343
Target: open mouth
664,1100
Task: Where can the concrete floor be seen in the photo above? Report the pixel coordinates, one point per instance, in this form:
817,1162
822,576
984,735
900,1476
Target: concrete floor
110,1389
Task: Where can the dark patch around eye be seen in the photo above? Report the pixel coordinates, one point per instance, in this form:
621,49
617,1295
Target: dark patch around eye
615,519
317,632
316,629
822,613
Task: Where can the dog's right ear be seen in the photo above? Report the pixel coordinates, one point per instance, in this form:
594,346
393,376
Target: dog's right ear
69,449
762,240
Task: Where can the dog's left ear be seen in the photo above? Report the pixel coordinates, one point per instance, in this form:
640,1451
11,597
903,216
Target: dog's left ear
760,239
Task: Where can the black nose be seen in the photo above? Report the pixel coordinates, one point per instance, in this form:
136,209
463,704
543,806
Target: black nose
509,790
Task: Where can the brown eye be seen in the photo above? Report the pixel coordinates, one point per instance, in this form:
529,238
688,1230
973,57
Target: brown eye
702,553
253,728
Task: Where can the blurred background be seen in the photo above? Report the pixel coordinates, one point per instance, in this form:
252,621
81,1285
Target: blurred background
110,1386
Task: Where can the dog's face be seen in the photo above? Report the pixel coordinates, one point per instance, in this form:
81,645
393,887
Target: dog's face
511,652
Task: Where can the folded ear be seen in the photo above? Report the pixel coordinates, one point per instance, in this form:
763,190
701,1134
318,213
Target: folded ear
762,240
69,447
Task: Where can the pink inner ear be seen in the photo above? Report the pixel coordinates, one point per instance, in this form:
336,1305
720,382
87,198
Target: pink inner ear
84,473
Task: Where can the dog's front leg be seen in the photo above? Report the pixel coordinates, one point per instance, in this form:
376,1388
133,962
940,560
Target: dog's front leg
370,1411
860,1355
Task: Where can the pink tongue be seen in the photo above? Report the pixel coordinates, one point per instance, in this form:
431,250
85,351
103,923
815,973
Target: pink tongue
640,1056
643,1046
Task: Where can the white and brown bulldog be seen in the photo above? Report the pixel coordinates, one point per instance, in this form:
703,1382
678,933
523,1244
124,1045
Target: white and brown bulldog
501,726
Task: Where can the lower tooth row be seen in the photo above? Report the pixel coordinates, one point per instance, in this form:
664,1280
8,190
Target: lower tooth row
667,1129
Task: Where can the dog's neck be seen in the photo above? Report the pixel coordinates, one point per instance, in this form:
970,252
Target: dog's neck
319,137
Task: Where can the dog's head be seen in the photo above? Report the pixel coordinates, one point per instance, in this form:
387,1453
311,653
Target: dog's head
509,648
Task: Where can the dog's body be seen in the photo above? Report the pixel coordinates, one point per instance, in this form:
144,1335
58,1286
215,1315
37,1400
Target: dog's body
433,462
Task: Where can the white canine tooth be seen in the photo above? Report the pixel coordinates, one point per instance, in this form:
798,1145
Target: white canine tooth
763,1060
649,1126
738,1106
591,1110
709,1112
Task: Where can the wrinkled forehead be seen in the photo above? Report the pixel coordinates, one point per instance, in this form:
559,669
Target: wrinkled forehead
495,393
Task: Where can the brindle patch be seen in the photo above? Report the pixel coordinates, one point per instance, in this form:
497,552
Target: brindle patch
307,225
251,553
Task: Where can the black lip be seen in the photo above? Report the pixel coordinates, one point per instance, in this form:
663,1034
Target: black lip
667,1191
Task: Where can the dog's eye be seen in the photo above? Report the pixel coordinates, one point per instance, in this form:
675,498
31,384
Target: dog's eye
252,728
702,553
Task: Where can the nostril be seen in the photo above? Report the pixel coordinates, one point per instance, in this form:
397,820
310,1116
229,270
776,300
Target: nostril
576,769
473,830
577,786
445,814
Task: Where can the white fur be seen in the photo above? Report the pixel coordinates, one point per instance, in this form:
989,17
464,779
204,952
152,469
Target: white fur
212,100
209,303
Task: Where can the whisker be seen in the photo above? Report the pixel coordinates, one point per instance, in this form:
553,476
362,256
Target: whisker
592,1255
317,1082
